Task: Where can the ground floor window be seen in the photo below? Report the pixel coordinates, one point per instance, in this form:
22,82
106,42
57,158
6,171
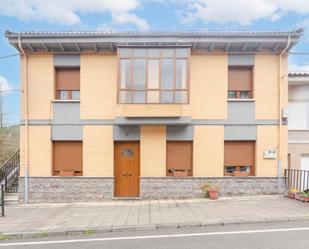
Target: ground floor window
67,158
239,158
179,158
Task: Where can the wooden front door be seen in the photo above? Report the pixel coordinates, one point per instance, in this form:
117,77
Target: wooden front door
127,169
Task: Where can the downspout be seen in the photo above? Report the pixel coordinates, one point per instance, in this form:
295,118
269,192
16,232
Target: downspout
280,112
26,142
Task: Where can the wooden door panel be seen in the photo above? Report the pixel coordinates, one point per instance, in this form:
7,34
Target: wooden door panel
127,169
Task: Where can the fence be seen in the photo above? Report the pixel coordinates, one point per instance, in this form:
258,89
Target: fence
297,179
2,199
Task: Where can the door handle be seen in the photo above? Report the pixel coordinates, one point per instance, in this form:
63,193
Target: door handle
130,175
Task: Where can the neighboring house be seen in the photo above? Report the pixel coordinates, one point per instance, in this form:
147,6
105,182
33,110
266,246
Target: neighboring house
151,114
298,124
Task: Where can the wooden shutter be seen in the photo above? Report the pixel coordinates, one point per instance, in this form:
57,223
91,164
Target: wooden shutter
240,79
179,158
239,153
67,79
68,158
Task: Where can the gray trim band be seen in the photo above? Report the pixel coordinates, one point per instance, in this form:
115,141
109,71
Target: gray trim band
61,60
240,133
193,122
153,121
241,60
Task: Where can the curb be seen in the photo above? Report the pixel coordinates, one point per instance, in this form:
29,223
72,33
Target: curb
91,231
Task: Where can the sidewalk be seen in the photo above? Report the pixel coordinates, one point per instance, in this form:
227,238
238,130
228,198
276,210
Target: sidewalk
61,219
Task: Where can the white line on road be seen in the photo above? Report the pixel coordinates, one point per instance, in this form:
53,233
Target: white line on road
156,236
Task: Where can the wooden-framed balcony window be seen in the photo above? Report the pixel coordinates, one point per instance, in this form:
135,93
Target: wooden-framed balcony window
68,83
153,75
239,158
240,81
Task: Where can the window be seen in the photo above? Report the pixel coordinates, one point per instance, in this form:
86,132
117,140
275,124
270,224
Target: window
239,158
67,83
67,158
153,75
240,82
179,158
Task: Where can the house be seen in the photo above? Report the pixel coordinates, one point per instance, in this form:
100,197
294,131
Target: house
298,125
151,114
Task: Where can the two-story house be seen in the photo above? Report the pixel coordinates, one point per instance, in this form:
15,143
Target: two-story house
298,157
151,114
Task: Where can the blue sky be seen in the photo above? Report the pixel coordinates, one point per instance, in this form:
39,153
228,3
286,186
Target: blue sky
68,15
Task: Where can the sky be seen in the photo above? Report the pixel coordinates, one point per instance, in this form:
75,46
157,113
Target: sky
143,15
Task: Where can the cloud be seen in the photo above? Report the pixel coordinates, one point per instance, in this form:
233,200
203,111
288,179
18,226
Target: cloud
298,68
240,11
123,18
68,11
6,86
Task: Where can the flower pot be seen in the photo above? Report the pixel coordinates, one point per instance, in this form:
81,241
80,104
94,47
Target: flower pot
306,198
213,194
291,195
299,197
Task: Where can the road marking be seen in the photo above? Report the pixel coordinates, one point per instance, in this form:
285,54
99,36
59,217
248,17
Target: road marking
156,236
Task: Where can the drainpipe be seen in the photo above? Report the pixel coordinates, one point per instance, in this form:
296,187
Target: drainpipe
26,142
280,112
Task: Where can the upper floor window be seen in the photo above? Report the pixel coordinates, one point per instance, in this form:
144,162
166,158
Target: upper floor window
153,75
240,82
67,83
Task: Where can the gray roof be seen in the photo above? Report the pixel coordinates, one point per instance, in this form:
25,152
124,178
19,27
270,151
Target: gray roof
210,41
298,78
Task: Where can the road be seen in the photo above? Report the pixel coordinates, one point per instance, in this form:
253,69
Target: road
286,235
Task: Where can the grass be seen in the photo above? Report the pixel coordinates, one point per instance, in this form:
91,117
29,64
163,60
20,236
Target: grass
88,232
3,237
9,142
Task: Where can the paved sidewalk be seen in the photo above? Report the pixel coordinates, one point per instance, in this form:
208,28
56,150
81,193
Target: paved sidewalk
60,219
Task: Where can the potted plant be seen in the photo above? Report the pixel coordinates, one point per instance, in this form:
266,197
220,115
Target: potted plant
292,192
211,191
305,196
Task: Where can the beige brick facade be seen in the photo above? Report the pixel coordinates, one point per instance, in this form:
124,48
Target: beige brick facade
153,151
39,151
208,100
98,152
208,151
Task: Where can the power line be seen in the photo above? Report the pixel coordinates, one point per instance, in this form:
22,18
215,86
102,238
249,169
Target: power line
299,53
8,56
13,90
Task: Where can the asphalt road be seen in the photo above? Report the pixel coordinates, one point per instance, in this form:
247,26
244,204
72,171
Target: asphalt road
287,235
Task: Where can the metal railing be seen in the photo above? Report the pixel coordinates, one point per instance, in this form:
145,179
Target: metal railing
9,173
2,199
296,179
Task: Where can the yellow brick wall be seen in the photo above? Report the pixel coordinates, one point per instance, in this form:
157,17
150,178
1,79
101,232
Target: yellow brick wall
267,138
208,87
98,151
98,86
153,151
208,150
40,151
40,86
284,147
266,86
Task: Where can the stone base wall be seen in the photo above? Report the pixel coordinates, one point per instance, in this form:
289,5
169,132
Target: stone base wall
67,189
91,189
190,187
